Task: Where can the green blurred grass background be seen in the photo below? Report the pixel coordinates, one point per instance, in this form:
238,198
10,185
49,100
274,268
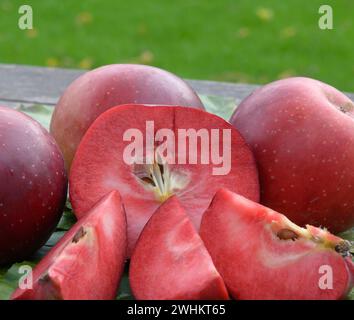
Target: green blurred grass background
230,40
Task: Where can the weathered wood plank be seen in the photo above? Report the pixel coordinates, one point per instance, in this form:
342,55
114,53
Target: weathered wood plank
32,85
41,85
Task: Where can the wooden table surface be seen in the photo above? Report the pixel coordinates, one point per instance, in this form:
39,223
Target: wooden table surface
28,85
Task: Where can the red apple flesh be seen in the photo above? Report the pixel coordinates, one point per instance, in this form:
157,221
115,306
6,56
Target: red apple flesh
99,165
302,134
170,261
33,185
105,87
262,255
87,263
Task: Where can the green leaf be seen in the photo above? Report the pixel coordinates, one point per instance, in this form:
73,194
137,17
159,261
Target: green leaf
40,113
67,220
124,291
221,106
348,235
9,280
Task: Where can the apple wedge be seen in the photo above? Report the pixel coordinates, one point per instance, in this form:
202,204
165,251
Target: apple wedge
151,153
262,255
88,261
170,260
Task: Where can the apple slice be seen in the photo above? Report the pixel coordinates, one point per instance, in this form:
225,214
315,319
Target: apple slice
262,255
88,261
170,260
100,164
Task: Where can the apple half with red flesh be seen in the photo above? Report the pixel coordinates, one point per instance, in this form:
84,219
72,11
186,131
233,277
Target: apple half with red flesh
100,89
170,261
302,134
87,263
262,255
100,165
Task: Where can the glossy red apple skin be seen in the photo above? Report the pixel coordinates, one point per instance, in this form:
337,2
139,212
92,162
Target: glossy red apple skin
100,89
33,185
87,263
170,261
302,134
99,166
249,247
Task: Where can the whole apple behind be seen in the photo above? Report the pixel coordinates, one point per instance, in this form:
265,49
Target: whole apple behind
100,89
33,185
302,134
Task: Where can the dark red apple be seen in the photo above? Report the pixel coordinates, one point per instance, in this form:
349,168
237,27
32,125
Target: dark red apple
100,165
87,263
170,261
262,255
302,134
33,185
100,89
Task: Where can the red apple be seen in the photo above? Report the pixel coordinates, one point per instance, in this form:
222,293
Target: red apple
32,185
302,134
170,261
87,263
100,89
262,255
100,164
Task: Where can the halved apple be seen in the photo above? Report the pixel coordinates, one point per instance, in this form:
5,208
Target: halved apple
187,164
262,255
170,260
88,261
